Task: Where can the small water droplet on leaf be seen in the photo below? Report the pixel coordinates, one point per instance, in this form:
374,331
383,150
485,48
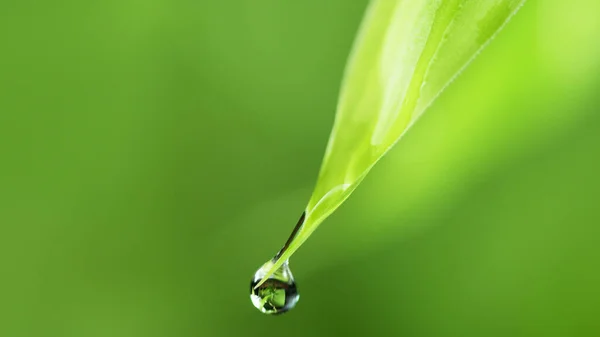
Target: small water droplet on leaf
278,293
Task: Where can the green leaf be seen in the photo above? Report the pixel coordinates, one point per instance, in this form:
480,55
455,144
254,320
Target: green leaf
404,56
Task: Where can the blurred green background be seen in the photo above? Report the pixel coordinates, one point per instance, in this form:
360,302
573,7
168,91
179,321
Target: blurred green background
155,153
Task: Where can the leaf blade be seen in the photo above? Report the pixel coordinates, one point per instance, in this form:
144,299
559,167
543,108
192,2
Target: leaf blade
405,55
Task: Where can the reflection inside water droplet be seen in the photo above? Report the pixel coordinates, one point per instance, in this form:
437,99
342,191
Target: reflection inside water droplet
278,293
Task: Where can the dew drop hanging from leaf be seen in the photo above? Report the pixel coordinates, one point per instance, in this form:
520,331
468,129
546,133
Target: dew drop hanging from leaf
278,293
404,56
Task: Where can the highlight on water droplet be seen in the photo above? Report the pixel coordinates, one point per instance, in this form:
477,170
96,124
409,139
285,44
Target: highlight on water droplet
278,293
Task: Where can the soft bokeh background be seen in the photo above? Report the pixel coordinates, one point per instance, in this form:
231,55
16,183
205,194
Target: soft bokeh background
155,153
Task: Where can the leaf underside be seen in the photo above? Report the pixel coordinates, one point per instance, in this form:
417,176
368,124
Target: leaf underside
404,56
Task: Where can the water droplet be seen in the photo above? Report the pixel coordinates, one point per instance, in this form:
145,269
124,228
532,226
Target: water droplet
278,293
